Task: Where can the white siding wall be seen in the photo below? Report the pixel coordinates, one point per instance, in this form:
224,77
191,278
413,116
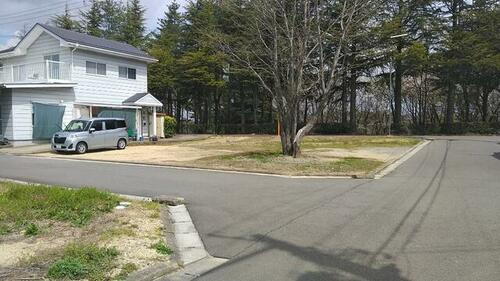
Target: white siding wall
6,112
44,45
22,105
109,89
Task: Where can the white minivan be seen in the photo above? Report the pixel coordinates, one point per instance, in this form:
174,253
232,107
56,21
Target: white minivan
82,135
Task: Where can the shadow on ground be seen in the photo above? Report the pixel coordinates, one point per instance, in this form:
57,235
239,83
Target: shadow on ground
496,155
336,264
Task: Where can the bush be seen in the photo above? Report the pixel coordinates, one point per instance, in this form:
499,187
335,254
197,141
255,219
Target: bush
70,268
170,126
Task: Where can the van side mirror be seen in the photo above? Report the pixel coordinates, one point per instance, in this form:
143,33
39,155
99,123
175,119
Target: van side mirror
92,130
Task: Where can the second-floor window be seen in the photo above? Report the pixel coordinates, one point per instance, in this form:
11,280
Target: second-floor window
126,72
96,68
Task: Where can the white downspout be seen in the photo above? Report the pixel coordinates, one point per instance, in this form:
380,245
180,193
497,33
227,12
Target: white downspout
72,62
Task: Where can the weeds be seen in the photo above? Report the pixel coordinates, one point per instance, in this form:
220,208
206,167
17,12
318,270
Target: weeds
21,204
162,248
83,261
31,230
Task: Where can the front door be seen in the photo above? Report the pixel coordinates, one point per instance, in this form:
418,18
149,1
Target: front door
145,123
97,139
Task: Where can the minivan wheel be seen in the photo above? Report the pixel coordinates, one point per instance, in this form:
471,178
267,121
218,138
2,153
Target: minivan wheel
121,144
81,148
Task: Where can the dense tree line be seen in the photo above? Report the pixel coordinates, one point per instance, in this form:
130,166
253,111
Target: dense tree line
320,66
109,19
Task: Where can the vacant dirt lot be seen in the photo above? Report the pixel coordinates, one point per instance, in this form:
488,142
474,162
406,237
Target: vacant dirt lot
322,155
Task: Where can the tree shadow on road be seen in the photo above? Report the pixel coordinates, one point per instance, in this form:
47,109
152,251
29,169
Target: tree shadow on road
335,264
496,155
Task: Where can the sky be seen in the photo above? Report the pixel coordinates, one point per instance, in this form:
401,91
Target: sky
17,15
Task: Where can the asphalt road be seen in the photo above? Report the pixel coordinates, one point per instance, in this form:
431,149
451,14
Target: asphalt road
437,217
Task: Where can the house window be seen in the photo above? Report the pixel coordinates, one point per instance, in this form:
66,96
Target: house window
96,68
126,72
51,57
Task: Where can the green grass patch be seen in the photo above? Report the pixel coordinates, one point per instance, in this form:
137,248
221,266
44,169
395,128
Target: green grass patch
31,230
84,261
350,164
162,248
21,205
318,142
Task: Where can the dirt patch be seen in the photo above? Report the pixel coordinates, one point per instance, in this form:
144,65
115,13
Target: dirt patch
228,153
131,231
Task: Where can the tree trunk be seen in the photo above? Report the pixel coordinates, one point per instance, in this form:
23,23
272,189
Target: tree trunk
242,110
353,91
289,143
450,105
397,90
216,111
178,113
255,120
344,100
466,104
306,109
170,104
484,105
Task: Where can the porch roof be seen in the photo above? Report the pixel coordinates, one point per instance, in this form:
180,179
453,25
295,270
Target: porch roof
143,99
107,105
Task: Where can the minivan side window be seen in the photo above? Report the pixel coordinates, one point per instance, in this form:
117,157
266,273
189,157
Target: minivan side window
121,124
97,125
110,124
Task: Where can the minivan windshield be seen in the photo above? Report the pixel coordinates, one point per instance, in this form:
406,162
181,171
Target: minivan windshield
77,126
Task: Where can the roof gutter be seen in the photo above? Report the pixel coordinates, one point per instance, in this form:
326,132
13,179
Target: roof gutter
114,53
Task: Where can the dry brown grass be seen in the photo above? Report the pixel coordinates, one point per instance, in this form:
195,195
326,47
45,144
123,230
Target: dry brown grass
322,155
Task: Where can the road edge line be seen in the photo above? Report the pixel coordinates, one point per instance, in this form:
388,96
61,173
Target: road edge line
182,168
396,163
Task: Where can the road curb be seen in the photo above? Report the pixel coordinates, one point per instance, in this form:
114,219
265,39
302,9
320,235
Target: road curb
173,167
397,162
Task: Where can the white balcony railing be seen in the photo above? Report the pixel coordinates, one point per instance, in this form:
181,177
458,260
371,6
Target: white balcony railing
40,72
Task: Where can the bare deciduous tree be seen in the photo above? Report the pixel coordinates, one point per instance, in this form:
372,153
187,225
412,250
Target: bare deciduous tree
295,49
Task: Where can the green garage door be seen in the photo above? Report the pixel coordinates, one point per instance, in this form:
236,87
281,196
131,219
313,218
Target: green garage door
47,119
127,114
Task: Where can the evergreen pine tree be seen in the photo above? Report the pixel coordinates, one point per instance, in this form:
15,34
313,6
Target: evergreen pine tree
113,19
133,29
66,21
92,19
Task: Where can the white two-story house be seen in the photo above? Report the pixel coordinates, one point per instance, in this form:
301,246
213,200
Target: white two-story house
55,75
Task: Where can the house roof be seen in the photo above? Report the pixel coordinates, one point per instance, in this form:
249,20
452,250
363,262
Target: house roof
142,99
78,40
92,41
7,50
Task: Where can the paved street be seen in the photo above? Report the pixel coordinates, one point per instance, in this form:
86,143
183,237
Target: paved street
437,217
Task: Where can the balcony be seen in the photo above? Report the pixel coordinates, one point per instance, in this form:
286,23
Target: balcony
48,72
